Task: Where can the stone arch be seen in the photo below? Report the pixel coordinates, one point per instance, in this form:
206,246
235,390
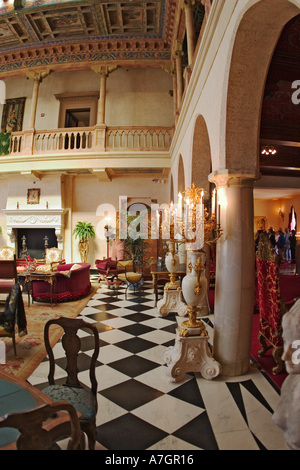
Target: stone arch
263,23
201,155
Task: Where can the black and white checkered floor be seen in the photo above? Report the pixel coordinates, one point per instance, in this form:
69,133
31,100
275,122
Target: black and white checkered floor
140,408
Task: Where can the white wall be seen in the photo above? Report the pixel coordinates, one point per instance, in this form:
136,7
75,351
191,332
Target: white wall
134,97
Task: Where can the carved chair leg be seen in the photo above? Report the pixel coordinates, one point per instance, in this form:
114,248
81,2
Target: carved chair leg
264,345
277,354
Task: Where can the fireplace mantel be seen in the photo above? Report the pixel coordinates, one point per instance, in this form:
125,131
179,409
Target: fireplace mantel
35,218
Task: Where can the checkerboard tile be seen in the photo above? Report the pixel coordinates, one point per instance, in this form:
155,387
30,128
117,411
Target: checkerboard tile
140,407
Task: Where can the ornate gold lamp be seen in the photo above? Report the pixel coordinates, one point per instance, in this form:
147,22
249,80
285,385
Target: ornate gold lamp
200,229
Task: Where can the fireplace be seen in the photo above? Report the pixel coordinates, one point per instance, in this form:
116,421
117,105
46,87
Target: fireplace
37,224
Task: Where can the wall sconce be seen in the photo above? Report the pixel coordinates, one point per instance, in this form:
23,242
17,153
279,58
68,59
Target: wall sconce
268,150
281,213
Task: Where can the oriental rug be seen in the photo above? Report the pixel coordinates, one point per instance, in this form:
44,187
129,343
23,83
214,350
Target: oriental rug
30,348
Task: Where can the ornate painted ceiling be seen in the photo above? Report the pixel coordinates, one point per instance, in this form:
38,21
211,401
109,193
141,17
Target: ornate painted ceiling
44,32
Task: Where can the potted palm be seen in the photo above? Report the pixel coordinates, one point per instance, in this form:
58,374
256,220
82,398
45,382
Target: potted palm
84,231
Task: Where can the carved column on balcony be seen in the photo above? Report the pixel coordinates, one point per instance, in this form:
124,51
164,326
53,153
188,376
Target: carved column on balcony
179,76
37,78
100,127
191,37
190,29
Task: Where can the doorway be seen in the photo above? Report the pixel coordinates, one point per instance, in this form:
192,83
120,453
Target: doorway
77,117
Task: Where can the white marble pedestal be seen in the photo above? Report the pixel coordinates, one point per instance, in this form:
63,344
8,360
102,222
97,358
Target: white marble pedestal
172,302
191,354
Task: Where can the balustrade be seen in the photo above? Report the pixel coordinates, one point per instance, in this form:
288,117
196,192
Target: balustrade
84,139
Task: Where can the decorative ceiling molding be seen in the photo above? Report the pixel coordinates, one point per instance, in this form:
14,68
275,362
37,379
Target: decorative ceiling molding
87,31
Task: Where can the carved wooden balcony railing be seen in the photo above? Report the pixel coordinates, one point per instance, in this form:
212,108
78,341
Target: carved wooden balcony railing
139,138
91,139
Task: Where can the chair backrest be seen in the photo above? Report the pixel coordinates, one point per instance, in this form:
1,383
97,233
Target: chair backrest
8,269
7,253
71,343
37,434
53,255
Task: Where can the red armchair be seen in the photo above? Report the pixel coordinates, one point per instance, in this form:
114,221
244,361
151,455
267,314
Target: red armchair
72,283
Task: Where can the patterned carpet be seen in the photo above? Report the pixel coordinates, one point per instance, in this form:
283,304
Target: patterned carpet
140,408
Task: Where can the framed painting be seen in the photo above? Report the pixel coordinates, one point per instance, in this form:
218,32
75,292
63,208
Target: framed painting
12,116
33,196
260,223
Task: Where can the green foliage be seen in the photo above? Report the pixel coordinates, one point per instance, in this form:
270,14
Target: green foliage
84,231
136,247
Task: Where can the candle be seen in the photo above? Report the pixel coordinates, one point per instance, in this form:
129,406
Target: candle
213,202
187,209
179,204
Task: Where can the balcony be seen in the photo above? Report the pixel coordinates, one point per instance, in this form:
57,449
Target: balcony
88,140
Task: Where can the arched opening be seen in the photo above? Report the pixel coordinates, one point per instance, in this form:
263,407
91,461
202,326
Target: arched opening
255,42
181,175
201,156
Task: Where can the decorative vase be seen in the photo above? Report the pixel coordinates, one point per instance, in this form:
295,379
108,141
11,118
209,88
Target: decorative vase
172,263
194,287
83,250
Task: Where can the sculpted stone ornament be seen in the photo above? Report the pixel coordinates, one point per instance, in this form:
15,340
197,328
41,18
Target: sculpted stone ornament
287,413
191,354
172,302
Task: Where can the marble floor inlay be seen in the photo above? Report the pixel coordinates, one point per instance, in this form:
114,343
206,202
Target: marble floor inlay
140,408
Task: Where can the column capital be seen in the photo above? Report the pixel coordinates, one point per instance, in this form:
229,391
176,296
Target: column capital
188,3
39,75
227,178
104,70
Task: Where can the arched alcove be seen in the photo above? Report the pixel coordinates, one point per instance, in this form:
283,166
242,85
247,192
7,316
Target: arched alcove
255,41
201,155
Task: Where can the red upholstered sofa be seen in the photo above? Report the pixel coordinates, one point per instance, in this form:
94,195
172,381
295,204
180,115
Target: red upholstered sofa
72,283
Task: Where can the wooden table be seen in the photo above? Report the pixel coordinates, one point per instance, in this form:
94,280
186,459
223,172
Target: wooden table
161,272
38,276
16,395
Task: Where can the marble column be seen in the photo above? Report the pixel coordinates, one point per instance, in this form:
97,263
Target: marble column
235,272
100,128
102,98
190,30
179,76
37,78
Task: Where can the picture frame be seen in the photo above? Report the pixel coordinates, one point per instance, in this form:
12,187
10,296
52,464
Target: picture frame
12,116
33,196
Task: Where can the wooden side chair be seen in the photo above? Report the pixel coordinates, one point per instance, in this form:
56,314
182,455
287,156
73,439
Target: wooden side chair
271,306
13,315
132,279
41,428
8,274
83,399
7,253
